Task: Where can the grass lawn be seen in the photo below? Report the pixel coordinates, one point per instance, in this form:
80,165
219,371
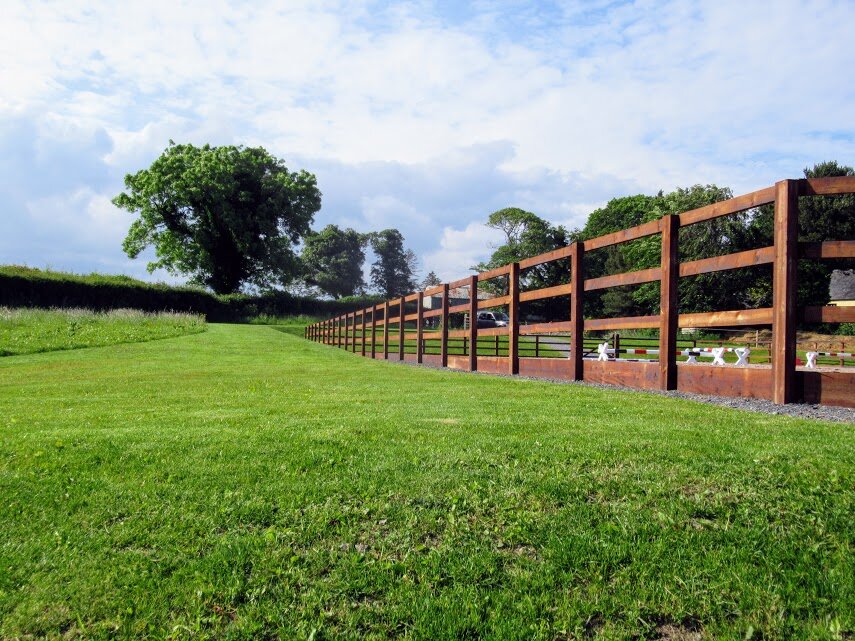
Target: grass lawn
28,331
244,483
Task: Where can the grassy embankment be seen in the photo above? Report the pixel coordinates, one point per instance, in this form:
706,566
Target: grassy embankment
245,483
28,331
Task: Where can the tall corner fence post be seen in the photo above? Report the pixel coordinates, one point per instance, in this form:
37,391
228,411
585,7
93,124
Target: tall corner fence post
473,323
577,319
784,291
514,319
419,327
668,302
401,314
386,330
363,329
444,329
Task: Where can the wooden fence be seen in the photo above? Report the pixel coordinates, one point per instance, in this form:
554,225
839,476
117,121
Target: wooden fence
782,381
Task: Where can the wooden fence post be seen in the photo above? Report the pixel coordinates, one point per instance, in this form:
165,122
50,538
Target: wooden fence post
577,320
373,330
784,291
514,319
347,332
386,330
363,330
668,298
444,329
353,336
473,323
419,327
401,306
340,331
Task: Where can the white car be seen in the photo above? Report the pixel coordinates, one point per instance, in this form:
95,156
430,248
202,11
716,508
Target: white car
492,319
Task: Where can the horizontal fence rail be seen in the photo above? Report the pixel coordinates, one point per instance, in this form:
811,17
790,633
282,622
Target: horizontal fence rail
415,327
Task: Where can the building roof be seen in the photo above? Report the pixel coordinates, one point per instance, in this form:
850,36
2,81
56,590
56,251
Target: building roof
842,285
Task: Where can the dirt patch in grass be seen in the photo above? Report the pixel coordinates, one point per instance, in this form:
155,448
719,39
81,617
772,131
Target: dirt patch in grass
804,340
686,629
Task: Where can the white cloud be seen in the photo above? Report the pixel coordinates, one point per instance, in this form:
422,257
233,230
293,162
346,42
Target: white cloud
82,221
460,249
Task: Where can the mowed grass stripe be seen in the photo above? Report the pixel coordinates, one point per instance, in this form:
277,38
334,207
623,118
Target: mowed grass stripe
244,482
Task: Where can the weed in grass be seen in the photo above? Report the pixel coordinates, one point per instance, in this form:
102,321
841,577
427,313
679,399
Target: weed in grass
29,331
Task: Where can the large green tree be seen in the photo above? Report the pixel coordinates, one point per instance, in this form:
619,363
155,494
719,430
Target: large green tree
224,216
707,292
333,259
820,218
527,235
617,214
431,280
393,273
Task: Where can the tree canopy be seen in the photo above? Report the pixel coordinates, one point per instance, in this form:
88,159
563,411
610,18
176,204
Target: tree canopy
527,234
820,218
333,259
431,280
224,216
393,273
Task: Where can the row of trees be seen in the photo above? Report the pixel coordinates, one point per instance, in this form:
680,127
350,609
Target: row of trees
333,261
527,235
230,217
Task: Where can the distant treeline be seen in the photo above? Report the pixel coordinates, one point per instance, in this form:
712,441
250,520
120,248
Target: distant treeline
29,287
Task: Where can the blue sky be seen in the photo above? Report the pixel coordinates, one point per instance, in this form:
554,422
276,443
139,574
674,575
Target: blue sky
426,116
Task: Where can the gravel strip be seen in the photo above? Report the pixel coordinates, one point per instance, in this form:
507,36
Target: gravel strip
797,410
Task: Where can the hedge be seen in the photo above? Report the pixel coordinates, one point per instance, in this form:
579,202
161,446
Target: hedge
29,287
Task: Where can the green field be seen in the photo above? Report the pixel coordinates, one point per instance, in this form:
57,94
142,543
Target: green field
244,483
